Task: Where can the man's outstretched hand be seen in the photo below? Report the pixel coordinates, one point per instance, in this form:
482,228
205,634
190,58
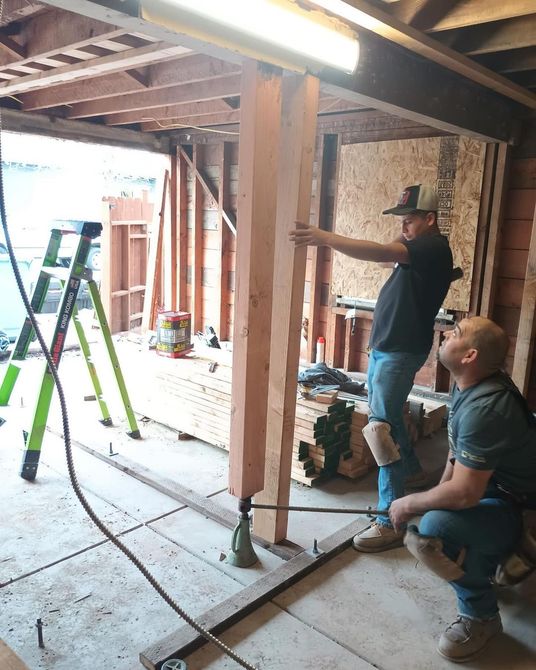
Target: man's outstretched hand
305,235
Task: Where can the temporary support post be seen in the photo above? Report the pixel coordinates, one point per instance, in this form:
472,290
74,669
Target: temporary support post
256,214
296,157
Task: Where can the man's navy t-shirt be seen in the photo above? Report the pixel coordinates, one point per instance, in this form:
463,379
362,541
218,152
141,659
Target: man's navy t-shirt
410,299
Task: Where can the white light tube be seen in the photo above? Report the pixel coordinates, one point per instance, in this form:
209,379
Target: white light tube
306,37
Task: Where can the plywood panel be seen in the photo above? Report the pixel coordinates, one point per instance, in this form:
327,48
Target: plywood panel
371,177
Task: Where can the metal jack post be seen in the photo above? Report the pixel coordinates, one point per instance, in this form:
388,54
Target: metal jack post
242,554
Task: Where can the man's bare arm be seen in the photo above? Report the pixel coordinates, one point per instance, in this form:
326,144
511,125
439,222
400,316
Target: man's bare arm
394,252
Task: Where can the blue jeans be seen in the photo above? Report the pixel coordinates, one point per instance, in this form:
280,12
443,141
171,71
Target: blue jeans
390,378
488,532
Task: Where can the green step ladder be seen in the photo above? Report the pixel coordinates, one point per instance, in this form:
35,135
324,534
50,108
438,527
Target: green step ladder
70,279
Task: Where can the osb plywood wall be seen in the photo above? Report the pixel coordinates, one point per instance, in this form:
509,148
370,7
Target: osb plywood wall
371,178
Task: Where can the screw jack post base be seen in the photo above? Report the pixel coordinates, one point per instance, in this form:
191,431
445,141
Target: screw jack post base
242,554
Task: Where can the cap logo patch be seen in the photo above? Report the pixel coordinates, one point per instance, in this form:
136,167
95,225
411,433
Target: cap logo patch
404,197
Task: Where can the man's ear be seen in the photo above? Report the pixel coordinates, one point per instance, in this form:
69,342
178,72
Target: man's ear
431,218
470,356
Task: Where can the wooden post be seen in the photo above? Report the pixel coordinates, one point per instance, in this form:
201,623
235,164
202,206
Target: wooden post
183,231
317,253
173,234
527,321
106,251
482,229
197,244
296,156
223,240
494,237
257,196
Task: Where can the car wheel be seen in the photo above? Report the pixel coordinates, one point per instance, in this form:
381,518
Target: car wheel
94,260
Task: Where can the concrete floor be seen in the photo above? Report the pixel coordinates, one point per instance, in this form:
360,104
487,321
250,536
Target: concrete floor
356,612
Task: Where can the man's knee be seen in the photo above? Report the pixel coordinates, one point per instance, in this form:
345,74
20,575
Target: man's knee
381,443
435,523
428,549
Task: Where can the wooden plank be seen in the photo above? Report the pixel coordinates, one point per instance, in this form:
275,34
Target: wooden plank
197,242
185,640
106,285
493,246
153,291
9,659
257,200
170,239
210,190
482,229
296,156
525,335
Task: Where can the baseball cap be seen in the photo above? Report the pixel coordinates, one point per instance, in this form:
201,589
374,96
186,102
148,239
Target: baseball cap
414,198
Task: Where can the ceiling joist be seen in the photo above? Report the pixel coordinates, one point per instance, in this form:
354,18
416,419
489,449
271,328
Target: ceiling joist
445,15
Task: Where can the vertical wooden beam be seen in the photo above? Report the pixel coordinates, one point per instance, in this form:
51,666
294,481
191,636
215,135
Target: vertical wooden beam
527,321
257,197
197,242
486,195
494,236
296,156
223,240
173,232
106,272
182,191
317,253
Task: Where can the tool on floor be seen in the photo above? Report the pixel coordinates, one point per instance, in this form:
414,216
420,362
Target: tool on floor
70,279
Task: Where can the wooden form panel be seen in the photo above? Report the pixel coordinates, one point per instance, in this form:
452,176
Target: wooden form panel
124,253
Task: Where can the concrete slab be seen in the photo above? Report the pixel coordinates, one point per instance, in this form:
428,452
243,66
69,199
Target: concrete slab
390,611
121,613
42,522
273,639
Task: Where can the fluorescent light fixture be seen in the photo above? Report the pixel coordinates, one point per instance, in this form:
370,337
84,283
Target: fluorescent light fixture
277,31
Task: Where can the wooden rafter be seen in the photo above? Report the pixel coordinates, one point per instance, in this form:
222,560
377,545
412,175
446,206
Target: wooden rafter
447,102
431,17
517,60
186,69
189,92
511,34
394,29
17,10
187,109
115,62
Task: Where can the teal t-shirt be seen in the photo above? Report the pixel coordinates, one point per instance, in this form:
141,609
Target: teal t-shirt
491,428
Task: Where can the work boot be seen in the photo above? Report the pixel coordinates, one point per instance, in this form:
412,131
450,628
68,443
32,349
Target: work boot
375,538
466,638
418,480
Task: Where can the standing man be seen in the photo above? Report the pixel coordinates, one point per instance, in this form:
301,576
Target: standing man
401,338
473,516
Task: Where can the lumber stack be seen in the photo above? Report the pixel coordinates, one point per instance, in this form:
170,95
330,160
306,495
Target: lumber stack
361,460
321,439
